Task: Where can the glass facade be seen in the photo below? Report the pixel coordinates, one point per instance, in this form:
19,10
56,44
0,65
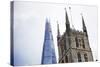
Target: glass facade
48,55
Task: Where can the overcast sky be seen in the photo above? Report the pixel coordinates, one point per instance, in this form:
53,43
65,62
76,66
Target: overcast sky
29,26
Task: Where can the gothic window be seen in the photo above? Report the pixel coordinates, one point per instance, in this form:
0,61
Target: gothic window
77,45
65,44
79,40
66,58
79,57
83,43
85,57
62,49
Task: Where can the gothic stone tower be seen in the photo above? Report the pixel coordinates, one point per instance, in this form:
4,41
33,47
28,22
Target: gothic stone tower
73,45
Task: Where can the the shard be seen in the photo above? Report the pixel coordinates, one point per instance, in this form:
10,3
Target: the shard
48,55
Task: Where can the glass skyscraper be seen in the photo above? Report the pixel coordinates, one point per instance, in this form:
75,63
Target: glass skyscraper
48,55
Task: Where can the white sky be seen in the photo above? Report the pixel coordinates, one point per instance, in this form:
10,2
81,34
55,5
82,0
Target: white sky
30,18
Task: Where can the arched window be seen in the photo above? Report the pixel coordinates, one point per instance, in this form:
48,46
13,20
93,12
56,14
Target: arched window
66,58
65,43
79,57
77,45
85,57
61,49
83,43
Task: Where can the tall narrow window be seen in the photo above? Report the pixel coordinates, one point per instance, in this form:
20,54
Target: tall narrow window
61,49
77,45
66,58
79,57
85,57
83,43
65,44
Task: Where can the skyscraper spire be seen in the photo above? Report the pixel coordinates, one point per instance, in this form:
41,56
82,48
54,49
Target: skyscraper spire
58,32
84,26
67,22
48,55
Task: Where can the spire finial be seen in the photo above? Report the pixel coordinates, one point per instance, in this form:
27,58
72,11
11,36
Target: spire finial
83,21
66,16
69,7
81,14
67,21
84,27
58,32
71,17
65,8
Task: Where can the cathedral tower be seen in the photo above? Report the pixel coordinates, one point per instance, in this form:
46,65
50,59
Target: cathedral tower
73,45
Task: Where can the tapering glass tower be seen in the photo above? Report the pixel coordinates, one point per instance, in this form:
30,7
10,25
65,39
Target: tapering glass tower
48,55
